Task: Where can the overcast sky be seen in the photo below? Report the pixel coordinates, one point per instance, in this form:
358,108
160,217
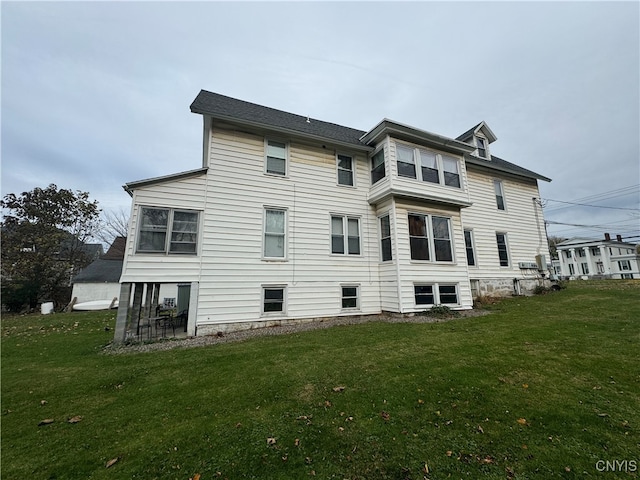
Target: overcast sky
95,95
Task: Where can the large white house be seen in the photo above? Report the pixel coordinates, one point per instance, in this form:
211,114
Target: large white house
598,258
291,218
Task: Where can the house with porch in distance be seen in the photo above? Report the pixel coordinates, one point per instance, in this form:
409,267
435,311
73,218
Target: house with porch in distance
290,218
585,258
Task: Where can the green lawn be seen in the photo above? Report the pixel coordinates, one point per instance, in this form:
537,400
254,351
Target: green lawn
544,387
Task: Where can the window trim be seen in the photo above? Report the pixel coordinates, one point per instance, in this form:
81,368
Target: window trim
357,297
353,169
506,249
435,292
388,217
264,257
439,164
431,238
263,289
471,246
168,231
499,183
484,146
266,157
383,164
345,234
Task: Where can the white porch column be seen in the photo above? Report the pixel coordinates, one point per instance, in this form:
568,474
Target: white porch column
590,264
574,261
123,313
193,309
604,253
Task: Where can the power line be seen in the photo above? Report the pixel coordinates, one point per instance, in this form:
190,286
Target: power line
593,206
608,195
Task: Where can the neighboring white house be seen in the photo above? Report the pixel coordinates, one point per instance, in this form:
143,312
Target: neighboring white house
605,258
293,218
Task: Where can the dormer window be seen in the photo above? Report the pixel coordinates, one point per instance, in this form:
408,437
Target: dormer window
482,147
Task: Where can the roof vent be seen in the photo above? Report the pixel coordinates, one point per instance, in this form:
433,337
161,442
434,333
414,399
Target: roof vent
308,119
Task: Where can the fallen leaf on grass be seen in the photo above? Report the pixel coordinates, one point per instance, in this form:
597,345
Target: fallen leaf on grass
75,419
296,442
271,441
112,462
195,477
385,416
449,453
480,429
46,421
43,402
338,389
522,421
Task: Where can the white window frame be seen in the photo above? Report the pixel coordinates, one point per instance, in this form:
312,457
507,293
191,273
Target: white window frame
345,234
380,151
472,246
339,169
431,240
382,238
284,234
506,246
485,146
168,231
263,290
436,294
498,188
357,297
266,157
439,164
584,266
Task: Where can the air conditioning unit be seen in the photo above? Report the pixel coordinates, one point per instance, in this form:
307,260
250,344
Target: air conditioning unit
541,260
528,265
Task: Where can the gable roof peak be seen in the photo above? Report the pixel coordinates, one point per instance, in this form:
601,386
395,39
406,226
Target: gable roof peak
480,127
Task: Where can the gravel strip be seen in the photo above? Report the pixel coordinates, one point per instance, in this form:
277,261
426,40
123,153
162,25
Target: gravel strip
242,335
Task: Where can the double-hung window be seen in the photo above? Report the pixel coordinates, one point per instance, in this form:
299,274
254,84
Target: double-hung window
433,167
585,268
624,265
345,166
273,299
497,186
167,230
468,244
276,161
430,238
436,294
377,167
503,251
275,236
350,297
345,235
482,147
405,161
385,238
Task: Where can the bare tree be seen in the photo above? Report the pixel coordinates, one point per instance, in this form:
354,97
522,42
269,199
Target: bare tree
113,223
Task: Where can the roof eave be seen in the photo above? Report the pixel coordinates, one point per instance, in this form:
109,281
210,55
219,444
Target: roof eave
492,166
131,186
281,130
396,129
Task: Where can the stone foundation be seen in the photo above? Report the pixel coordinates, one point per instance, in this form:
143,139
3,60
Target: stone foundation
506,287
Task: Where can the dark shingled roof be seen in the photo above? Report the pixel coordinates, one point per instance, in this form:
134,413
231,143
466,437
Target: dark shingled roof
106,269
497,163
231,109
100,271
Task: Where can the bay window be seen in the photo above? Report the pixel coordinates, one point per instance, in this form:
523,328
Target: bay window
430,237
434,167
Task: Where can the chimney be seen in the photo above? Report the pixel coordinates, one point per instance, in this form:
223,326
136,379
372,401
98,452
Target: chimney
607,237
619,238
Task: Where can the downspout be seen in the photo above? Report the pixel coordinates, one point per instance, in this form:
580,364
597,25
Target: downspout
396,256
